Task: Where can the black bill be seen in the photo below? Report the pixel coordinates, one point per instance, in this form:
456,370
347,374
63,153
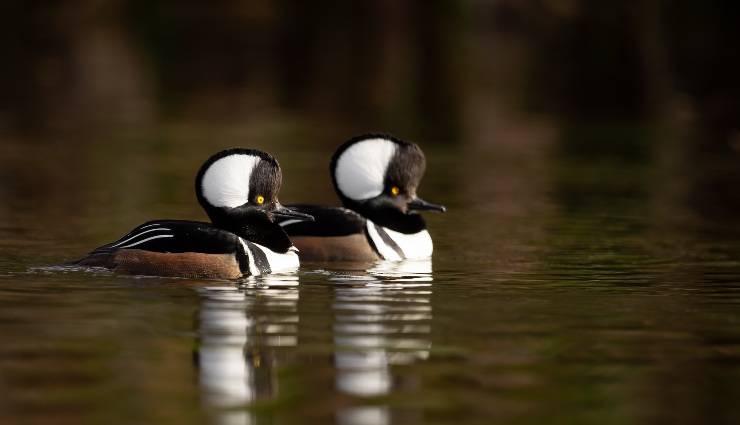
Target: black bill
281,211
419,204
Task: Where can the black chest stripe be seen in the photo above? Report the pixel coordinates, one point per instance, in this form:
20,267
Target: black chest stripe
260,259
388,241
243,259
372,243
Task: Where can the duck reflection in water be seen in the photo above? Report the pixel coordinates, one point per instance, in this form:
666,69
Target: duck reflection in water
240,330
382,319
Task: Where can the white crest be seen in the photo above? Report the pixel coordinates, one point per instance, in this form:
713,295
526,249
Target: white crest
360,169
226,182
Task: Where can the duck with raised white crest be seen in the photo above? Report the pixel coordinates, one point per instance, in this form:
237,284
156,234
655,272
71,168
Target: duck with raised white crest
238,189
376,177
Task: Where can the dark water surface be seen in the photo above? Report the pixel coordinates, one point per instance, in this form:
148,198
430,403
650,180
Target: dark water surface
565,288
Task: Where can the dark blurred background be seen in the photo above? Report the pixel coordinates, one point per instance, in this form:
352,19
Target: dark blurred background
127,87
417,67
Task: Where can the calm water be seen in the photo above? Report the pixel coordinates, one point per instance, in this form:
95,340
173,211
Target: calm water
565,288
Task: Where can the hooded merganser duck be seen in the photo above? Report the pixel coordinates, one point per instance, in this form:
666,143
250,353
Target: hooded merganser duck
238,189
376,177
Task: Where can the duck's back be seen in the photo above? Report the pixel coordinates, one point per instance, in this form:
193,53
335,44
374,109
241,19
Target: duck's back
175,248
336,234
340,234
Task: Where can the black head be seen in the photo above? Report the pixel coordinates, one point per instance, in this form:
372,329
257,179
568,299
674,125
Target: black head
238,189
378,176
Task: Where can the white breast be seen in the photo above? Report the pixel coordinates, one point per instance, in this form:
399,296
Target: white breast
279,263
412,246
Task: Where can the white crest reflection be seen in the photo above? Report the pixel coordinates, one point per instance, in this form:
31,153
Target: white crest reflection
241,330
382,319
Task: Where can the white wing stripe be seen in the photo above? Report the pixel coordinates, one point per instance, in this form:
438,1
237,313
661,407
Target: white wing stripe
137,235
147,239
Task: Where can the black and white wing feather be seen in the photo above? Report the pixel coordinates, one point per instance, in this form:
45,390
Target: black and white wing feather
175,236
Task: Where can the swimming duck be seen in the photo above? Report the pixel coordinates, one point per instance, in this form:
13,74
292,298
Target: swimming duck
376,177
238,189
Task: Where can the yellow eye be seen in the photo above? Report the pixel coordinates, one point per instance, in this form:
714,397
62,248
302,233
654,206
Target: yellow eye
395,191
260,199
